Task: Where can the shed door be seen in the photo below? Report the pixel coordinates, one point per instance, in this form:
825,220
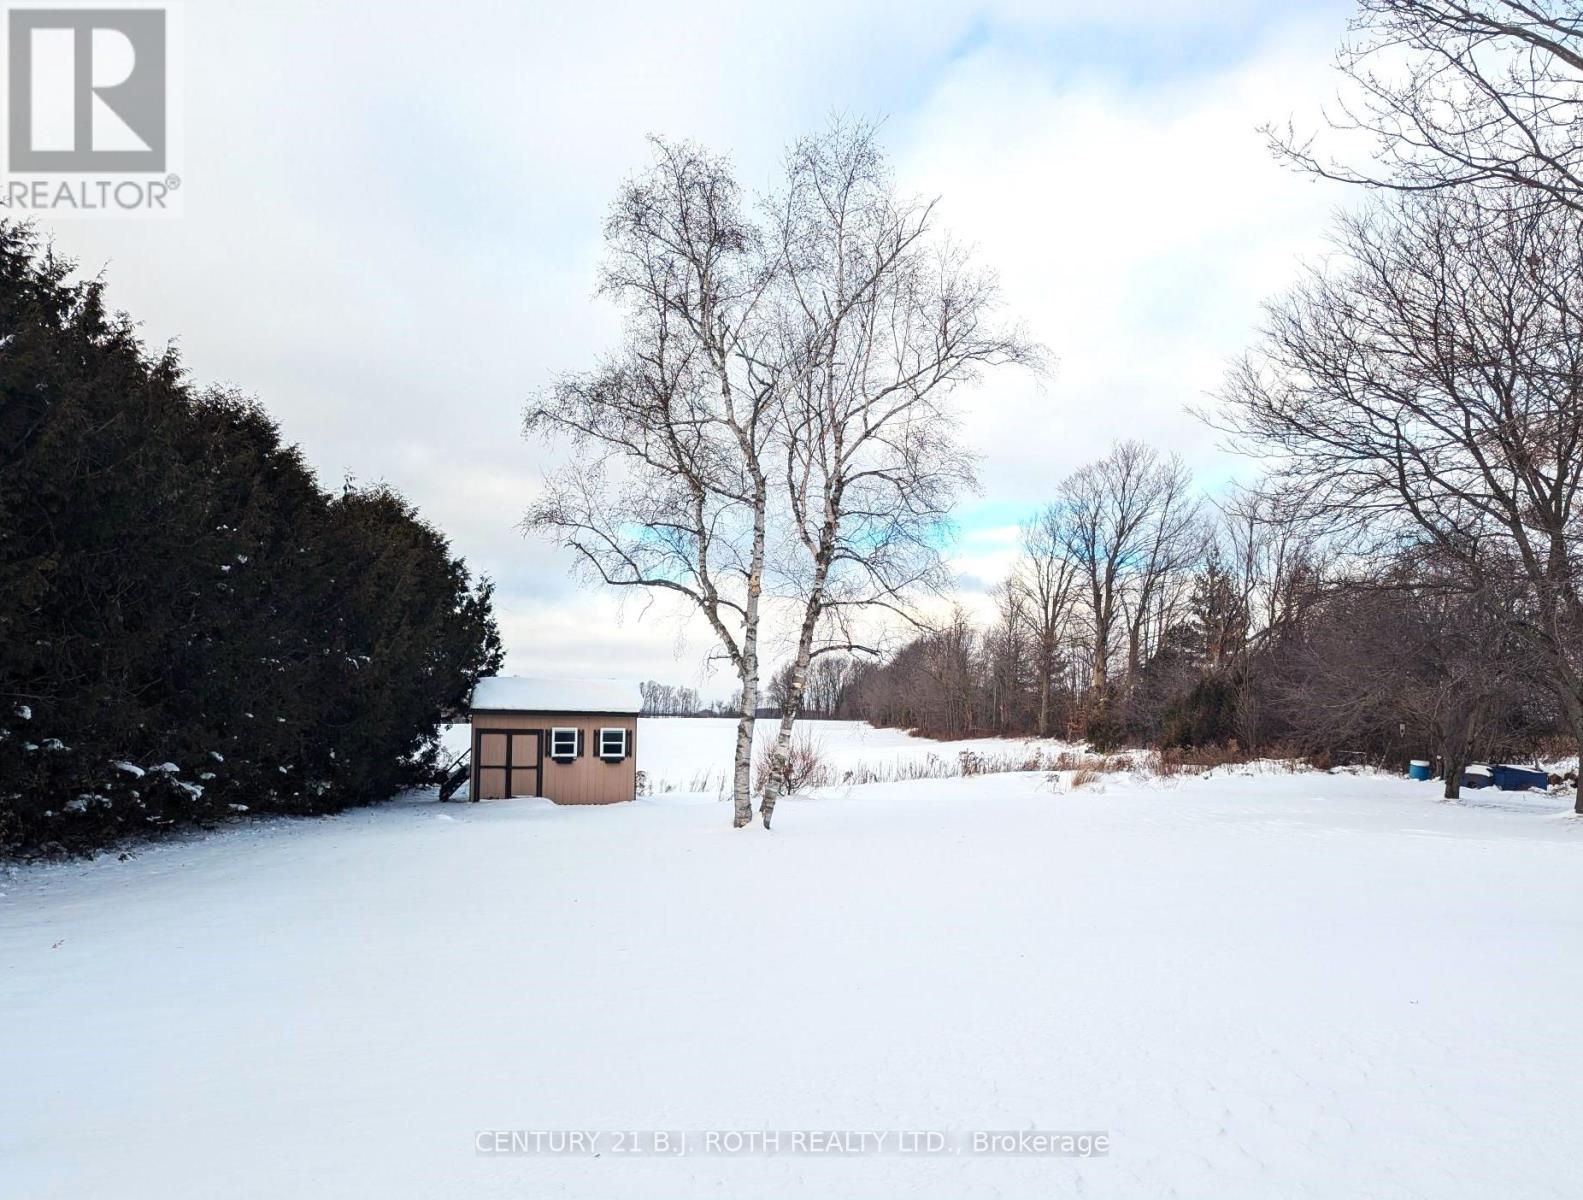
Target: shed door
507,763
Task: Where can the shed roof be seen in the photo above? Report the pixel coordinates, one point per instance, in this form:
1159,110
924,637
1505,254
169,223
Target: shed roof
521,693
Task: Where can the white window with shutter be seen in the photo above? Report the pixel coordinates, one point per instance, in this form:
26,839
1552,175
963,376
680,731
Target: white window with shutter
612,744
563,744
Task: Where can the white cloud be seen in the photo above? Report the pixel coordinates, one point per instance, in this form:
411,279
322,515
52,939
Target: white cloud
1135,229
393,216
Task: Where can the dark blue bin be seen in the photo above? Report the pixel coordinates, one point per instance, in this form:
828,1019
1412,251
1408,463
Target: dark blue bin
1520,779
1477,778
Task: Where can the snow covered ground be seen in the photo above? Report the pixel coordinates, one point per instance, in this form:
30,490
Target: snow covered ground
693,754
1259,984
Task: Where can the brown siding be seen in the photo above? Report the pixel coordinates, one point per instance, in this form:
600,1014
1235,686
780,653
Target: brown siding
588,779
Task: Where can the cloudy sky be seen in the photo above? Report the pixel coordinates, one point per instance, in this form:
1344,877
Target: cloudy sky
392,214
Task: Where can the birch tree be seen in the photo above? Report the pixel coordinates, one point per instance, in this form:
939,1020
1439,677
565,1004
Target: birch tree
883,319
668,488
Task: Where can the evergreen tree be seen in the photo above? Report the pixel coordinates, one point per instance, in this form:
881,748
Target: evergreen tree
189,626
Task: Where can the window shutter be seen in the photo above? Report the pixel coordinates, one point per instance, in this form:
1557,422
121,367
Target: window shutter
579,743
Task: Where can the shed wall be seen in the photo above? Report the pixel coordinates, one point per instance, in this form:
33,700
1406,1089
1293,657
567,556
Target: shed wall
586,780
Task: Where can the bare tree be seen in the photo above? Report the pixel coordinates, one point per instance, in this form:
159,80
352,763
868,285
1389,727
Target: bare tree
828,679
949,655
1127,516
668,700
1488,99
1469,672
1274,555
1173,544
1429,387
1274,570
884,320
669,489
1220,606
1406,659
1047,576
1007,659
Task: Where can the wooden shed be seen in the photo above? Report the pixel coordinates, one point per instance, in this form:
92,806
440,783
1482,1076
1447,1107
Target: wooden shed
573,741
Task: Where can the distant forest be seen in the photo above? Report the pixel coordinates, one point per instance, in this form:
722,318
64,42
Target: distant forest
191,628
1138,613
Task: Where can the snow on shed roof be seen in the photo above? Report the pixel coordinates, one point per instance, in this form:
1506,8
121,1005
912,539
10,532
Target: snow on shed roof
520,693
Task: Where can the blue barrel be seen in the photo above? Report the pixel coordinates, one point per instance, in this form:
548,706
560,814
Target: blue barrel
1418,769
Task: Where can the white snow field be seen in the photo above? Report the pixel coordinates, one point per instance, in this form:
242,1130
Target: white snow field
693,754
1259,985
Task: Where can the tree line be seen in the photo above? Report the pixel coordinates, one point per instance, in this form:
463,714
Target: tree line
675,700
190,626
1140,612
820,696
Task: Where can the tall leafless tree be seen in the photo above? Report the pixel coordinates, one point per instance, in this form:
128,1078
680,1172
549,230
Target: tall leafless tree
1172,547
1128,519
669,488
1484,95
1046,574
1275,568
1008,657
883,319
1428,386
1406,658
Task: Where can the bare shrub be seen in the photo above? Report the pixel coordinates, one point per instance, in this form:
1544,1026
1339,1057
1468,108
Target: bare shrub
1176,760
1076,771
1085,776
801,768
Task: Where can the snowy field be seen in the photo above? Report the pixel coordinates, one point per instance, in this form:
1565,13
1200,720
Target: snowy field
1265,985
693,754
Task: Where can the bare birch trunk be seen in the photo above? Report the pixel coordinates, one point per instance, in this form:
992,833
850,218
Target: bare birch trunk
799,679
742,775
780,755
741,785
